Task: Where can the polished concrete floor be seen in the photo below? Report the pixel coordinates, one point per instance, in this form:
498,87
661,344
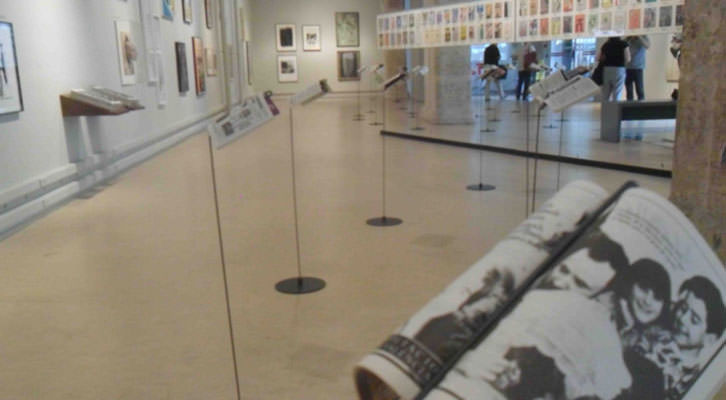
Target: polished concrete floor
644,143
120,294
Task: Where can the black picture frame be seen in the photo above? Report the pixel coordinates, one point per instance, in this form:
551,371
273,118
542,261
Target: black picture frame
182,69
4,72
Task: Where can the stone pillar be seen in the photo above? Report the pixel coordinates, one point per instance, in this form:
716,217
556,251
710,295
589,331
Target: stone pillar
447,87
699,168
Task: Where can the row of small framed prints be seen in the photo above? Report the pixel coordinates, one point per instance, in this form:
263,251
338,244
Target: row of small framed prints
348,67
347,33
168,10
634,21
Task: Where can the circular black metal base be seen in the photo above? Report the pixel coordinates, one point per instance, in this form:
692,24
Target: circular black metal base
417,128
480,187
487,130
300,285
376,123
384,221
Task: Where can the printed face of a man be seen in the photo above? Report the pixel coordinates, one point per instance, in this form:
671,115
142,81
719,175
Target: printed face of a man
689,325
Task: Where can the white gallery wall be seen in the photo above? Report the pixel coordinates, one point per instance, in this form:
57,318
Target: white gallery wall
312,66
62,45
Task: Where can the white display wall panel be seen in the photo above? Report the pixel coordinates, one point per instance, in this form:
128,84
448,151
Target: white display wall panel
63,45
494,21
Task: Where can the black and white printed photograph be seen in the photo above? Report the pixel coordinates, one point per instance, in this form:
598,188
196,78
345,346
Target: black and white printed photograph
287,69
611,320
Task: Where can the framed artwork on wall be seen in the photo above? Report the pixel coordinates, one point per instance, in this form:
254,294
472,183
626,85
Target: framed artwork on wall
127,52
287,69
211,61
311,38
199,72
285,37
347,29
182,70
209,13
167,9
11,97
348,65
187,11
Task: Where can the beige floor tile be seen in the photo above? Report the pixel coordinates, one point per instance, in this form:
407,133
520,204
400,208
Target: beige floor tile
121,295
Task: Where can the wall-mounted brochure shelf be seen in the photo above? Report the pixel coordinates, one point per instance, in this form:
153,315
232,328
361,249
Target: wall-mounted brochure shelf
97,101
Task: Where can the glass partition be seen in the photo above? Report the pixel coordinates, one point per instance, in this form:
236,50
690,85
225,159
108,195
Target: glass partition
645,140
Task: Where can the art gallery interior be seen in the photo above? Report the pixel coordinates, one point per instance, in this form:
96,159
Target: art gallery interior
140,254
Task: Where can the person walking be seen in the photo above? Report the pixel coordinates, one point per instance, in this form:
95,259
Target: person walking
634,69
491,61
614,55
527,56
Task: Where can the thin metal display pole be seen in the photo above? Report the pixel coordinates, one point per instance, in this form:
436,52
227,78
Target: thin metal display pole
383,110
359,116
383,220
224,270
484,118
416,114
559,151
536,160
372,99
294,195
526,204
481,186
299,284
412,100
383,176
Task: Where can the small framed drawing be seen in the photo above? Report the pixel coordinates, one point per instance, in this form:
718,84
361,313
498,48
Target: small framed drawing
187,11
285,37
347,29
348,65
167,9
11,97
209,13
287,69
127,52
181,67
211,62
311,38
199,72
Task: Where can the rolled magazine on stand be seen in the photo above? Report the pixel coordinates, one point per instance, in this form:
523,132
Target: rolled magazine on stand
592,297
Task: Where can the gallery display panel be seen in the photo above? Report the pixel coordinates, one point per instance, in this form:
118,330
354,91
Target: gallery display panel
494,21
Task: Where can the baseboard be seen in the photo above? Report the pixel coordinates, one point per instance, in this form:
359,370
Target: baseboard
36,197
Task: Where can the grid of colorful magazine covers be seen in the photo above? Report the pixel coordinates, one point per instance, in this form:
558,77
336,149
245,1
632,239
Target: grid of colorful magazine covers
525,20
633,310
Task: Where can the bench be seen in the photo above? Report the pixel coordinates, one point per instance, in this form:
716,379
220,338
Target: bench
612,113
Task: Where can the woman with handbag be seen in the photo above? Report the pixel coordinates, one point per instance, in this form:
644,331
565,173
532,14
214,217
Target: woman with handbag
613,56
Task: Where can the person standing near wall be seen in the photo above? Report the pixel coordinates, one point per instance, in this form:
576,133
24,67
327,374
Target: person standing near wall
634,69
527,56
491,61
614,55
